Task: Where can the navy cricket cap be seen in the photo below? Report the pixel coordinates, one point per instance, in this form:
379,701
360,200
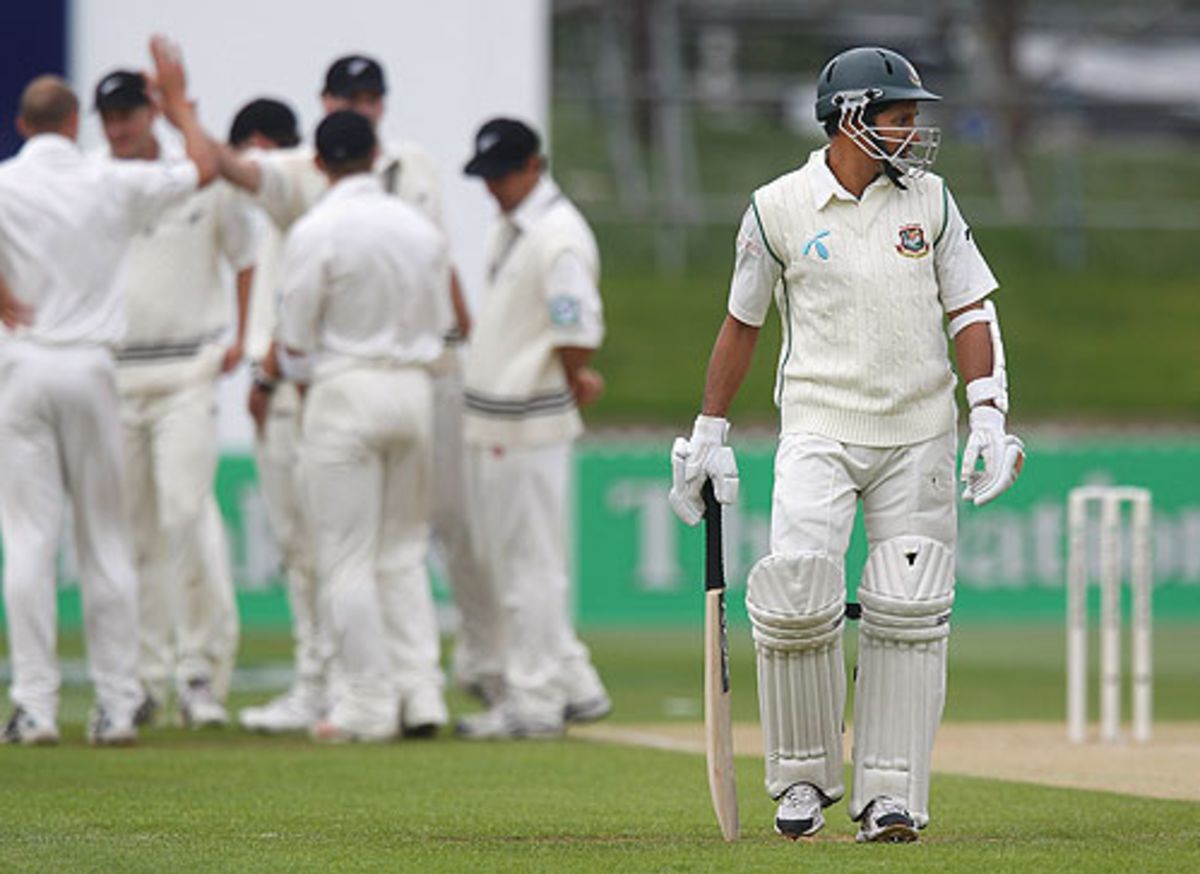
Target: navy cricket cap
354,73
344,137
501,146
121,89
271,118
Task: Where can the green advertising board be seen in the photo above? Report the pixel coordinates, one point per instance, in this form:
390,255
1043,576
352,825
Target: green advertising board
635,564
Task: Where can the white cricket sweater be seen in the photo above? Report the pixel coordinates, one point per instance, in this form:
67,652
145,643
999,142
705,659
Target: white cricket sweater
864,357
178,286
515,389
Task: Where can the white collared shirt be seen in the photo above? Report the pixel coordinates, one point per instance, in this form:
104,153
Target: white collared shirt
572,296
863,287
363,281
65,222
177,290
963,275
291,182
542,295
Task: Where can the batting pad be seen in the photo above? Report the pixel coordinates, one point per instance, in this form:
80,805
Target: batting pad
796,607
906,593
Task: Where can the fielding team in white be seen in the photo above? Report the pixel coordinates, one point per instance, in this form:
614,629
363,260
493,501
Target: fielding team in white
387,416
369,432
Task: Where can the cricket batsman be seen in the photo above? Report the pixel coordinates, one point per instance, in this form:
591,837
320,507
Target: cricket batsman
871,265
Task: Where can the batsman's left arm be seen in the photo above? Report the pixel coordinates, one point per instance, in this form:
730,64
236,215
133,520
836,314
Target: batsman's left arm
972,346
979,350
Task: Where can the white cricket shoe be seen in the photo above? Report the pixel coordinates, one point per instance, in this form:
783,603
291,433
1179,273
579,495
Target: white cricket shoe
587,699
500,723
330,732
292,711
589,710
199,708
799,813
422,712
27,730
104,731
886,820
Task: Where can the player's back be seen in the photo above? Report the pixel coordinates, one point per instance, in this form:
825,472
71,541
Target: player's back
386,265
65,221
64,233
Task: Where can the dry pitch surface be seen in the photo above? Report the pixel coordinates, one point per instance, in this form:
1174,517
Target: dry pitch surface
1031,752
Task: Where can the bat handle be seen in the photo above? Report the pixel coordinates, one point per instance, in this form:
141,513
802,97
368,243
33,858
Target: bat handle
714,564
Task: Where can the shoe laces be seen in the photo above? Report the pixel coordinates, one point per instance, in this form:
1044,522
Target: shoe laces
885,804
801,796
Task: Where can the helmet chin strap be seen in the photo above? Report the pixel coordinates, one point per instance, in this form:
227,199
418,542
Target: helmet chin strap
895,175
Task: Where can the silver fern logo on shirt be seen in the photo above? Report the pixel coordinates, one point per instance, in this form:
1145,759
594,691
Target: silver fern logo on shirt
912,242
564,311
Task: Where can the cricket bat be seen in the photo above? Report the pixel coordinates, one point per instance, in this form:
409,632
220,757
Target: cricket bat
718,725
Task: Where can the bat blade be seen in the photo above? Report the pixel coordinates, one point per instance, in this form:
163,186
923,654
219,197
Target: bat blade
718,724
718,719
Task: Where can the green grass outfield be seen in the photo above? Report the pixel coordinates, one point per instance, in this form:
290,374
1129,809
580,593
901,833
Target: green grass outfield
228,801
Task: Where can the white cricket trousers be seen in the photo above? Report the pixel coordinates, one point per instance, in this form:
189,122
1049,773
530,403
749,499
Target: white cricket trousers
478,646
368,470
905,491
189,618
60,438
277,452
520,500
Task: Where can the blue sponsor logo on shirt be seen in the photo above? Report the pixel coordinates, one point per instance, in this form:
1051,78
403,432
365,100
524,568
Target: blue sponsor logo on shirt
815,243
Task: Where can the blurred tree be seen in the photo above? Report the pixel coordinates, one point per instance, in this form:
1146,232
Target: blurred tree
997,24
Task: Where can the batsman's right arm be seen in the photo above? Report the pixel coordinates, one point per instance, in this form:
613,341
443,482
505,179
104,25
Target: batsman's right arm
728,364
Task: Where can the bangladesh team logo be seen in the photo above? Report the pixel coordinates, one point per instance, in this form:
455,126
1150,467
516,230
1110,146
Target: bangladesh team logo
912,242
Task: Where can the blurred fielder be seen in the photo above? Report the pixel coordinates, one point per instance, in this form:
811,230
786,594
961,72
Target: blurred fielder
65,223
526,374
174,350
267,125
362,312
866,256
286,184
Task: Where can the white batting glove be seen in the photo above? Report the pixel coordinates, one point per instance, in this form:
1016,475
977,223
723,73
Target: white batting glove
702,457
1003,456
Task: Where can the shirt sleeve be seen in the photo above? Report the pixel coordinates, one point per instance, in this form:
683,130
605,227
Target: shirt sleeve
755,274
302,281
419,184
962,273
440,273
576,313
151,187
236,229
281,187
